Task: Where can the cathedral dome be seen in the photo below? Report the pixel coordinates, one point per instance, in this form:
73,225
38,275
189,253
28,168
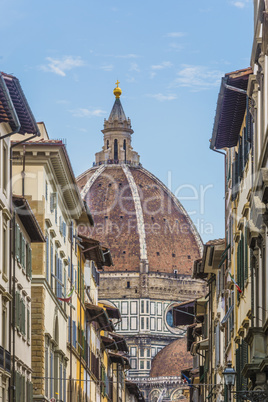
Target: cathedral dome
135,214
171,359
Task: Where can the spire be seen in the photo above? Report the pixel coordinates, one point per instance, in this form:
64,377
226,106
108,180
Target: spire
117,112
117,136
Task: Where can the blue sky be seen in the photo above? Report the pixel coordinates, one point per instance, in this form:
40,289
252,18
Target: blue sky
169,58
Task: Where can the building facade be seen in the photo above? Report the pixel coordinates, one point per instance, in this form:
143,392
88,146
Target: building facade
15,118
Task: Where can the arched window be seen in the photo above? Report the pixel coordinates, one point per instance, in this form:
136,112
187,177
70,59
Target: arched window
107,144
125,149
115,150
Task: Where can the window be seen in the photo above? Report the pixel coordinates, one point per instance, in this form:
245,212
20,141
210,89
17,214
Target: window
46,370
133,351
133,323
159,308
148,353
153,352
133,307
51,264
128,284
141,352
142,322
124,325
28,325
28,261
51,374
5,167
142,306
142,364
152,308
147,306
124,307
20,313
47,257
115,150
4,327
159,324
148,364
133,363
46,191
147,323
5,251
152,323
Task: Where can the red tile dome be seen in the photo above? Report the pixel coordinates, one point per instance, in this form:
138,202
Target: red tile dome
139,219
171,360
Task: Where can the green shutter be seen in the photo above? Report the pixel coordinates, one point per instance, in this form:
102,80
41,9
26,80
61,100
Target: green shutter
246,256
28,325
242,262
18,242
29,261
17,313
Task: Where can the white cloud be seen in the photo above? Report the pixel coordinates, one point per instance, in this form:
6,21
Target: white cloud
82,112
127,56
161,66
175,34
60,66
107,67
240,4
134,67
198,77
176,46
161,97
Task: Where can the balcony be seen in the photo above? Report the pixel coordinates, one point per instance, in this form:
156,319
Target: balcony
5,359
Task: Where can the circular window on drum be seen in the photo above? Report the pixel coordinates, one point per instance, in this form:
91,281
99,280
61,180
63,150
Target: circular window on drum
179,330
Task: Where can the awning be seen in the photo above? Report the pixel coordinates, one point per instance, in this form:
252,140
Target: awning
117,358
183,313
202,345
108,343
98,314
227,315
200,307
134,390
231,107
27,217
95,252
113,312
120,342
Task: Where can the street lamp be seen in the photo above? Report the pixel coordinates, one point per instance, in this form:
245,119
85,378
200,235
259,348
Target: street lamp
229,375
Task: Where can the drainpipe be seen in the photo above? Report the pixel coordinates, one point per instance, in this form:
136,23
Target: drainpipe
12,315
80,273
71,316
23,172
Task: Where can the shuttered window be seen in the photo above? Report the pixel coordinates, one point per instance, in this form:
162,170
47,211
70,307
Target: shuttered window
29,261
241,360
47,258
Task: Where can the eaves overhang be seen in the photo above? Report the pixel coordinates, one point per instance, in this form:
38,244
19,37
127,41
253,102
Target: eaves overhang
231,107
23,111
55,151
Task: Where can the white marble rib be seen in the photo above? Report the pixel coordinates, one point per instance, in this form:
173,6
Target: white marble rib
139,213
